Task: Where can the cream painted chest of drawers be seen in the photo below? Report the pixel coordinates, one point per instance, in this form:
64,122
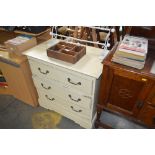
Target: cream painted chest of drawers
69,89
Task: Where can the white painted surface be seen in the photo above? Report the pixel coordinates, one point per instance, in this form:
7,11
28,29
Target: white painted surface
69,95
55,73
90,64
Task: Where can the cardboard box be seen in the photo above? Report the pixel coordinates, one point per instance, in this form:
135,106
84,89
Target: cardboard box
16,46
44,36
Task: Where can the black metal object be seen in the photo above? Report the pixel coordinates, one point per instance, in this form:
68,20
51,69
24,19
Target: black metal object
75,110
139,104
45,87
51,99
42,71
74,99
69,80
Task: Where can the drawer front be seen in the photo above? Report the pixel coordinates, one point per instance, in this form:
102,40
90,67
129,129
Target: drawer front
42,71
76,82
66,77
48,86
53,100
75,98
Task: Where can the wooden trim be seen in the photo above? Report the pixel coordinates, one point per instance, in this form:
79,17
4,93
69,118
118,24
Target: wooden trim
25,68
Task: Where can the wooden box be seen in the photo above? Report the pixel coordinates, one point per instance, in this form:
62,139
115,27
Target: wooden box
66,52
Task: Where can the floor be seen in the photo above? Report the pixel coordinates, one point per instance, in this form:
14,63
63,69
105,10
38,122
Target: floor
15,114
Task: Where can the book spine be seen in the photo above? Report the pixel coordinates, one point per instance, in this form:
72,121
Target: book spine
131,52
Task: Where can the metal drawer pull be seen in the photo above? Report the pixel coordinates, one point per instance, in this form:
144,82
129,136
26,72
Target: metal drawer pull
51,99
45,87
69,80
74,99
75,110
139,104
43,72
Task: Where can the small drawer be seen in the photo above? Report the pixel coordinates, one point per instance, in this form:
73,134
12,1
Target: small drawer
79,111
53,87
78,99
48,100
76,82
42,71
48,86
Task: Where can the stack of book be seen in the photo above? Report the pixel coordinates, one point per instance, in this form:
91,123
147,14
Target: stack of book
132,52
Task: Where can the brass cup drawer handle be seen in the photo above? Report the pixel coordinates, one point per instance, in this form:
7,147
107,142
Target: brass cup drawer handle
42,71
69,80
45,87
74,99
75,109
139,104
51,99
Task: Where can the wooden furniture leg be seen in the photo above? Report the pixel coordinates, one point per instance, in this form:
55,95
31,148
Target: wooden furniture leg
98,123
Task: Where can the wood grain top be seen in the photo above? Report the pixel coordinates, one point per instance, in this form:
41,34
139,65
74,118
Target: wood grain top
90,64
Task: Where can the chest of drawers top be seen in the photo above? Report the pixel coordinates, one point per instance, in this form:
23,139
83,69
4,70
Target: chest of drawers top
90,64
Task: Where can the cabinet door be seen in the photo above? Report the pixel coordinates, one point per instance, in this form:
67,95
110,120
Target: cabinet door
125,91
147,115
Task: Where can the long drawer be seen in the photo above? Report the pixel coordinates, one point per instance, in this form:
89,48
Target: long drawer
67,78
53,100
74,97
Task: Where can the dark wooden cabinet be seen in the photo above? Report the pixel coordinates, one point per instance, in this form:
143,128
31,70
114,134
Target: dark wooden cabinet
128,91
151,97
147,115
